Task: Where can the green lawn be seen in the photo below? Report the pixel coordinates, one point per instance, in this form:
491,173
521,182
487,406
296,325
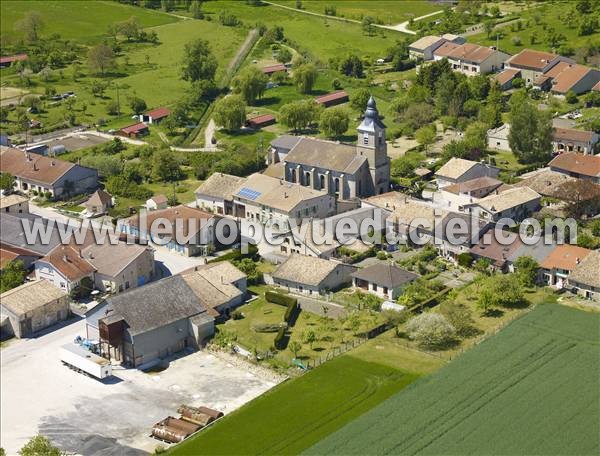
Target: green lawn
384,11
531,389
81,20
298,413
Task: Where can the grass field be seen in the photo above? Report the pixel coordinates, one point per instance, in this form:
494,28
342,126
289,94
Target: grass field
387,11
82,20
531,389
301,411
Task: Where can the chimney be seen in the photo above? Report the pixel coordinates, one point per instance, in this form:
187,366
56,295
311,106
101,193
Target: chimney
285,194
65,259
577,260
35,166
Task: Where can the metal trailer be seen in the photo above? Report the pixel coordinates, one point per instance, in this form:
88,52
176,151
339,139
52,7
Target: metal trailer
173,430
84,361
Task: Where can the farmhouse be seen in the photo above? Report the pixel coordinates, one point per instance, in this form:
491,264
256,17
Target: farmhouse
460,170
99,203
471,59
157,202
578,166
134,131
192,230
261,121
497,138
570,140
585,278
545,182
533,64
423,48
220,286
14,204
458,233
311,275
559,264
46,174
33,306
385,280
152,322
155,116
345,170
333,99
216,193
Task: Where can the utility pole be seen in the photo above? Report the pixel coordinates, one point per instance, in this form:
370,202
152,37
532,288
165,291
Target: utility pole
118,100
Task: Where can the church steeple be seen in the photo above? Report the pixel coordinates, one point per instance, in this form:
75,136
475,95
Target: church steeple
371,136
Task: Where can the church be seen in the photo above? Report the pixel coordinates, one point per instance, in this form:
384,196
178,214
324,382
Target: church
345,170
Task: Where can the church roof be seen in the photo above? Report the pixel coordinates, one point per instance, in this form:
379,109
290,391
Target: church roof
326,154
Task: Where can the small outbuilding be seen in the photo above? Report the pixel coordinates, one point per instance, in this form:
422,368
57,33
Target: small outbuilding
333,99
134,131
385,280
157,202
261,121
99,203
155,116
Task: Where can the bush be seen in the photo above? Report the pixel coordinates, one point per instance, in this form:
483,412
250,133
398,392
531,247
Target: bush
465,259
237,314
431,330
381,255
267,327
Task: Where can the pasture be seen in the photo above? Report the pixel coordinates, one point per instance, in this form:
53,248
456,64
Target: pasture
531,389
80,20
296,414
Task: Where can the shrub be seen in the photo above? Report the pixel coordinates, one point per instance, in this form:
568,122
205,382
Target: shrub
267,327
281,299
431,330
465,259
381,255
280,338
237,314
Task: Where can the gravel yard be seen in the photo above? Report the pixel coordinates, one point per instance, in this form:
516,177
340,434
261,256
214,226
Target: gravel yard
86,416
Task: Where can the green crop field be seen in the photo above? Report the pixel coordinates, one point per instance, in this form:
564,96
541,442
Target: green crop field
82,20
531,389
301,411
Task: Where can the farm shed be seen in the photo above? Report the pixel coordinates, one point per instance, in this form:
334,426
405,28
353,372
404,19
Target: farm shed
261,121
333,99
133,131
155,115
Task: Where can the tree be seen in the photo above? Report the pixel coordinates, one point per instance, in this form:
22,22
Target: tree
431,330
12,275
530,136
137,105
359,99
112,108
130,28
527,270
32,102
165,166
40,446
101,58
309,337
571,97
334,122
426,136
30,26
305,77
367,25
491,114
295,347
582,197
284,55
461,317
199,63
503,290
352,65
196,9
299,115
250,83
248,267
230,112
489,27
7,182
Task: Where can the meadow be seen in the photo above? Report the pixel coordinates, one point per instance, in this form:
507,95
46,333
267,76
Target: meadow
80,20
531,389
294,415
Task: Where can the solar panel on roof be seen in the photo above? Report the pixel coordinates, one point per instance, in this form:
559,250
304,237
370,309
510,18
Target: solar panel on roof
248,193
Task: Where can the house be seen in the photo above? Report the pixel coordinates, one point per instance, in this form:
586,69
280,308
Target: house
346,170
585,278
538,251
65,268
261,121
32,307
453,197
515,204
423,48
269,70
155,116
35,173
157,202
13,233
385,280
134,131
216,193
191,231
220,286
150,323
460,170
274,202
578,166
558,265
14,204
458,233
9,254
8,60
545,182
471,59
506,77
310,275
533,64
570,140
333,99
497,253
497,138
99,203
567,76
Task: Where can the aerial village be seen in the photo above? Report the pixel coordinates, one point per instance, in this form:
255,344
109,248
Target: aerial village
252,243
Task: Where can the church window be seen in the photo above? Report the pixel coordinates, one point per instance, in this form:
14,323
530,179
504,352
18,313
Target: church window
322,181
365,138
307,178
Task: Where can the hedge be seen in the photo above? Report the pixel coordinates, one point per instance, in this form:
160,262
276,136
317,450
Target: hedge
281,299
280,338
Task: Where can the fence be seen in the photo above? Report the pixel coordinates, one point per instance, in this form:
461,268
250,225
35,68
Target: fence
337,351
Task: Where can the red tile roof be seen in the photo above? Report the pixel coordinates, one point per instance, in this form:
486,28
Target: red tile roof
33,167
274,68
261,120
135,128
158,113
69,262
471,52
13,58
446,49
586,165
566,75
565,257
507,75
332,97
573,135
528,58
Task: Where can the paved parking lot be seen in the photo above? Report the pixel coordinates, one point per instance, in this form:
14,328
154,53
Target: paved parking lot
86,416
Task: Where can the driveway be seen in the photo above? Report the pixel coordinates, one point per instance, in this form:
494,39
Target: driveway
85,416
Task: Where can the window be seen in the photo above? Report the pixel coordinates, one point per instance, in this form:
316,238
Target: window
337,184
365,139
322,178
307,178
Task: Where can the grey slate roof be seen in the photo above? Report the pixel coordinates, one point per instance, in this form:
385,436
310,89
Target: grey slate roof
538,251
156,304
12,233
285,142
385,275
326,154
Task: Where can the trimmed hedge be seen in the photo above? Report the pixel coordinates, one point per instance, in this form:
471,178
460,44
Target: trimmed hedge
280,338
281,299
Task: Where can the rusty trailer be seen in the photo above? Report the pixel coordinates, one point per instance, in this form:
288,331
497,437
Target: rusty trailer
173,430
